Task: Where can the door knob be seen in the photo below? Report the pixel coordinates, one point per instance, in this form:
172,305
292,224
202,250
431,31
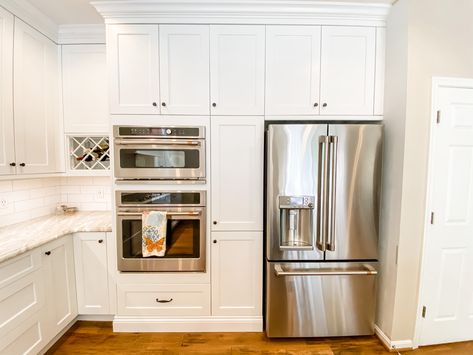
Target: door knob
155,104
324,104
48,253
100,240
22,164
163,104
12,164
215,222
214,105
316,104
215,241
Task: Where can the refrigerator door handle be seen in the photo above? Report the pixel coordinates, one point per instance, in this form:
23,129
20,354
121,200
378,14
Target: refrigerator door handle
365,269
331,204
322,193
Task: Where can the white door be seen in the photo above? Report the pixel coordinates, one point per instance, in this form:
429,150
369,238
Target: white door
184,69
7,141
237,70
58,266
447,287
348,70
292,70
237,271
38,124
85,93
133,69
90,257
237,173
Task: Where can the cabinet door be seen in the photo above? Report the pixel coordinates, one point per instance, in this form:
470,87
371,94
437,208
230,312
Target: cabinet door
237,259
38,125
90,256
237,173
58,266
292,70
237,70
85,96
7,142
348,70
184,69
134,73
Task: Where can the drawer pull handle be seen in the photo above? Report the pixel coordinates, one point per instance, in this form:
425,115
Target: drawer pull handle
163,301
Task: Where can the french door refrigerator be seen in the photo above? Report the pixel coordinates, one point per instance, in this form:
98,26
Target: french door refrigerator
322,207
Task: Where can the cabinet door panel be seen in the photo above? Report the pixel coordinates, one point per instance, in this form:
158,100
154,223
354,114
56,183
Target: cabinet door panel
85,95
348,70
7,149
90,250
38,127
237,173
134,68
237,70
184,69
237,259
292,70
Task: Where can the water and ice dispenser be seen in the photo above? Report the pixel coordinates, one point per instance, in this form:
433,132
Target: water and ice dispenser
297,222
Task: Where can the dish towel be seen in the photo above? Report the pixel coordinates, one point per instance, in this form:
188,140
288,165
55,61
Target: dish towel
154,233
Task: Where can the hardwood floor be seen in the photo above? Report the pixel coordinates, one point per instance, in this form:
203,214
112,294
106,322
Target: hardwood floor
98,338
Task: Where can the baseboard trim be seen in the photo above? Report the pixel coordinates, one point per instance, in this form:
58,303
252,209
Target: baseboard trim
393,345
197,324
96,317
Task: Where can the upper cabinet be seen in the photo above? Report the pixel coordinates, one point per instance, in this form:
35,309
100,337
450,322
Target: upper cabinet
184,69
237,70
348,70
292,70
85,95
134,69
7,141
38,124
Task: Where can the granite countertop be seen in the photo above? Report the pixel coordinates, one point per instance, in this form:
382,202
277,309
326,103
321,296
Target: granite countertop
22,237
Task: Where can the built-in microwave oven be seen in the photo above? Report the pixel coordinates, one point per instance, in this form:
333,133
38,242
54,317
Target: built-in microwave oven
159,153
185,230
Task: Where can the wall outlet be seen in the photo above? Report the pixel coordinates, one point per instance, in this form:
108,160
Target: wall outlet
3,202
100,195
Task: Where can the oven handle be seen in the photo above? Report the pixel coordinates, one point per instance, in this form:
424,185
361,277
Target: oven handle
168,142
368,270
168,213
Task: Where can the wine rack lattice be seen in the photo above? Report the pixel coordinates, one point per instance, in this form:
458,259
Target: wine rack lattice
89,153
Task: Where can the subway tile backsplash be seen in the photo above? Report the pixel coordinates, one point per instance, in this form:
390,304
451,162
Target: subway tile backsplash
21,200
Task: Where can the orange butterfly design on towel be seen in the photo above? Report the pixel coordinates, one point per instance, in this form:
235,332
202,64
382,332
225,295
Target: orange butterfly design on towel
150,245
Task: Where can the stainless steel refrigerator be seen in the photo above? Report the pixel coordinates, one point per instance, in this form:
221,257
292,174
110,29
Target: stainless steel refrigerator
322,209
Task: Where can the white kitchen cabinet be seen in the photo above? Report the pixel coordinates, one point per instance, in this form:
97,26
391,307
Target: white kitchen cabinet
85,94
7,141
59,278
133,60
237,173
90,256
292,70
348,70
184,69
237,262
38,124
237,69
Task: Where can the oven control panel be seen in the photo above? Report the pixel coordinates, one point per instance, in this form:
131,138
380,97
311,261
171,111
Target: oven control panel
161,132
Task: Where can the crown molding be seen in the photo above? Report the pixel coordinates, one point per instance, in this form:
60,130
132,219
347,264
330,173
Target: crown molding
32,16
81,34
308,12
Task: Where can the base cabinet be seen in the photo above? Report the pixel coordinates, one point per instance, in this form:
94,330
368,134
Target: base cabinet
237,259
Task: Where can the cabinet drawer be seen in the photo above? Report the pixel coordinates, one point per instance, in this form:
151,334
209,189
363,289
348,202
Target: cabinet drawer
20,300
27,338
22,265
164,300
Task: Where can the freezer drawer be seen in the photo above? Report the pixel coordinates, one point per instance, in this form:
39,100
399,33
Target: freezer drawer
320,299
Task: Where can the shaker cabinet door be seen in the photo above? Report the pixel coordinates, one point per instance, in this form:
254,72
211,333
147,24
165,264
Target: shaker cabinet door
292,70
184,69
348,70
134,69
237,173
38,121
237,70
7,141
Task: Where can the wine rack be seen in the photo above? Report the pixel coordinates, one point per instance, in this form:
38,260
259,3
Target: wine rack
89,153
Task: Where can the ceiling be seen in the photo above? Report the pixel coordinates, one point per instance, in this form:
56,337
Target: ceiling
69,12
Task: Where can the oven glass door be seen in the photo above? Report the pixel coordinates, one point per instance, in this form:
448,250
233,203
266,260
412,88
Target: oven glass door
159,161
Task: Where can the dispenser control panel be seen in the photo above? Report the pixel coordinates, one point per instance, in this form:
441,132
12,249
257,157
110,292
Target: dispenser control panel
296,202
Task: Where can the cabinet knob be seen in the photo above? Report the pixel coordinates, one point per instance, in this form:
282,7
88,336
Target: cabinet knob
214,104
12,164
215,241
316,104
48,253
324,104
100,240
155,104
163,104
22,164
214,222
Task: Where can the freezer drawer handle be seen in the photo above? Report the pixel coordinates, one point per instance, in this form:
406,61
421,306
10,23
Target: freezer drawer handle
369,270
